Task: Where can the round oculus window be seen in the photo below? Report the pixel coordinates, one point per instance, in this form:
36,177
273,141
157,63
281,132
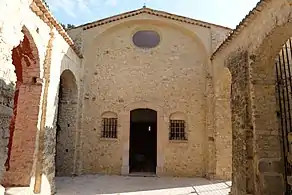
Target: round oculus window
146,39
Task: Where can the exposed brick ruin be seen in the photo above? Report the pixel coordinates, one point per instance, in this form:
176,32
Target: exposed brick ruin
23,126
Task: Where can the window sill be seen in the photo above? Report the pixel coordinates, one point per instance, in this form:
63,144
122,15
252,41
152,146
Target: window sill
108,139
178,141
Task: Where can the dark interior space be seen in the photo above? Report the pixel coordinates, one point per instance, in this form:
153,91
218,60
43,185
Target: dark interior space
143,141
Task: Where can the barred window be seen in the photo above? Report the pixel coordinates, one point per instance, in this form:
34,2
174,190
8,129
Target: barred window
109,128
177,130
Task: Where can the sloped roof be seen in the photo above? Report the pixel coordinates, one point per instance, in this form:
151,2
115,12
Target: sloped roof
151,12
244,22
41,10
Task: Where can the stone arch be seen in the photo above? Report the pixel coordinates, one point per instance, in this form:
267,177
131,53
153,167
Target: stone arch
265,108
255,124
66,125
24,120
125,131
142,104
109,114
149,23
177,116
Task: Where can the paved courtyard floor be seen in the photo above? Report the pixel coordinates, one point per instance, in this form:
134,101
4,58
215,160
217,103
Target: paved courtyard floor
130,185
133,185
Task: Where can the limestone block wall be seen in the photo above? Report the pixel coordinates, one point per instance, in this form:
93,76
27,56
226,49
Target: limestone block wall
64,59
222,120
250,57
170,76
218,35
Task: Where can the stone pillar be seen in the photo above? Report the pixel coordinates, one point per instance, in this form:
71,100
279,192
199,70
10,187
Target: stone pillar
268,156
222,120
210,147
241,124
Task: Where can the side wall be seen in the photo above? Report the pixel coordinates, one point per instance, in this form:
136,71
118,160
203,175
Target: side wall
257,155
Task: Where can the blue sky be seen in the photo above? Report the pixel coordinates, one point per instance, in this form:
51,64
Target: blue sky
223,12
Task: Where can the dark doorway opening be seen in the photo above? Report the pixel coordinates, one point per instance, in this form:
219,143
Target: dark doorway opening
143,141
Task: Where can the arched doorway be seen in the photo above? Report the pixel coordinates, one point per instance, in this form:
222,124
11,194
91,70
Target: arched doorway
66,125
261,116
143,141
24,119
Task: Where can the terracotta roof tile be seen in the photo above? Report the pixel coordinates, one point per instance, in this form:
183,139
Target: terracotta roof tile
151,12
41,10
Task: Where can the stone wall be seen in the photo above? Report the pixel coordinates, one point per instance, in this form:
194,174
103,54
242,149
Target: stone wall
7,94
257,154
242,167
222,123
119,74
66,125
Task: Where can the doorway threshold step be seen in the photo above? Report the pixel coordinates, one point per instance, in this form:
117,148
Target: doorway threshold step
142,174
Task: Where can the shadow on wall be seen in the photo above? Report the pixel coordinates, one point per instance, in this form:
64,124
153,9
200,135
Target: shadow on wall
6,111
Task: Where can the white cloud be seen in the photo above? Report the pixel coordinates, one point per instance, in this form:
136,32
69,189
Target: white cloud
112,3
75,8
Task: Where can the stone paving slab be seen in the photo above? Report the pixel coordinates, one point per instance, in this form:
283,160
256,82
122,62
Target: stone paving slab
133,185
120,185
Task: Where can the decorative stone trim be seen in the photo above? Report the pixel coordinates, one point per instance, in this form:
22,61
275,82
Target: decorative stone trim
244,22
151,12
41,10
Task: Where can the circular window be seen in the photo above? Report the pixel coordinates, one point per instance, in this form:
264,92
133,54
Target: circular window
146,39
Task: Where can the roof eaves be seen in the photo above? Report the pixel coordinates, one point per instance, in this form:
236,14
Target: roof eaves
243,23
42,11
151,12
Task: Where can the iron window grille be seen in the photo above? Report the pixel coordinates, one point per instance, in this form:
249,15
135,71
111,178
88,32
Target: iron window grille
109,128
177,130
284,99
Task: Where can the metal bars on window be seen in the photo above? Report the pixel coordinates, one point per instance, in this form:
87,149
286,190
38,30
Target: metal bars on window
109,128
177,130
284,100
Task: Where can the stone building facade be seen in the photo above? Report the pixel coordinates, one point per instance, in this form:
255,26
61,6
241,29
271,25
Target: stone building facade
170,78
73,102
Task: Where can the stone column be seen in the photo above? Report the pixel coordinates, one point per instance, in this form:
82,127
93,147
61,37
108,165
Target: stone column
268,153
241,120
